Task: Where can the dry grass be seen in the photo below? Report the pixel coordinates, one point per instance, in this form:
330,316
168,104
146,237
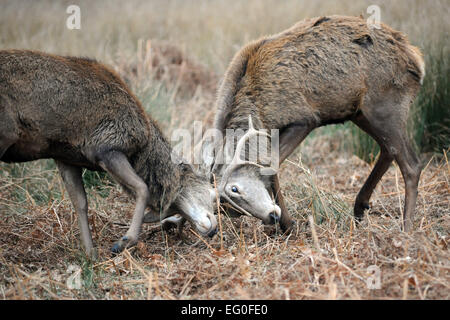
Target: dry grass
255,262
326,257
209,31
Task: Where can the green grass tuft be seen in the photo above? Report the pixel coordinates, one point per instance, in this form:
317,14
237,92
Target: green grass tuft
430,118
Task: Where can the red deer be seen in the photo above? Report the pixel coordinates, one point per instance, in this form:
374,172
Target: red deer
321,71
81,114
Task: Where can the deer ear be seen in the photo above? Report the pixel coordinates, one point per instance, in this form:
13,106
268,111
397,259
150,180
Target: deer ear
268,171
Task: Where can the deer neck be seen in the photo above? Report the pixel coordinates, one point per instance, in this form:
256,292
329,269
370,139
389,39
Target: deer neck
238,119
154,165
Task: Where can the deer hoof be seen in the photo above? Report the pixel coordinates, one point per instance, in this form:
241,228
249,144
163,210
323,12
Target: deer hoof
288,227
213,232
116,248
358,211
123,243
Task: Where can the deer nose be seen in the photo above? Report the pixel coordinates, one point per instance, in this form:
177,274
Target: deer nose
274,218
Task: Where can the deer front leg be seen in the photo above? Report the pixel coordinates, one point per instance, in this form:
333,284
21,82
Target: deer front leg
290,138
168,223
73,182
9,132
118,166
286,221
175,221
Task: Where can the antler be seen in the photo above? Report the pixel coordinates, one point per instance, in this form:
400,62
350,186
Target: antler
237,161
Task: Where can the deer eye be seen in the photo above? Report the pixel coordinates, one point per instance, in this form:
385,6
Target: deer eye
234,189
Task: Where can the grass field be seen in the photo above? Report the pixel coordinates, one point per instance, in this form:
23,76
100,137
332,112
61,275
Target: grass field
172,54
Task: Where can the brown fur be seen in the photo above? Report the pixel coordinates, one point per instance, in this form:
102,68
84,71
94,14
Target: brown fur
321,71
80,113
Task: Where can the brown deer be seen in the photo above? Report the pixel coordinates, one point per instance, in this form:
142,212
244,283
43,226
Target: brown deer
321,71
81,114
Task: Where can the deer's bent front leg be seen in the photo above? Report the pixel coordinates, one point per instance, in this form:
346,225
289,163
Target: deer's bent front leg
167,223
286,221
73,181
118,166
380,168
175,221
290,138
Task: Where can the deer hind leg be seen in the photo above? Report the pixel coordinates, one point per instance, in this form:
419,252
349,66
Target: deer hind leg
410,167
118,166
363,197
380,168
73,182
408,162
387,126
176,221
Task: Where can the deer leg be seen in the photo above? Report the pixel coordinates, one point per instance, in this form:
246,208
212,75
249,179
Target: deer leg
380,168
363,197
286,221
387,125
410,168
290,138
117,165
73,182
8,135
400,149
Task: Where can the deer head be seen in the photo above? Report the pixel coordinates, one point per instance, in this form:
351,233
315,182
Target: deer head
246,185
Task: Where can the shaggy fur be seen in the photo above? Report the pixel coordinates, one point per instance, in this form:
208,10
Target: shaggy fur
319,71
79,112
323,71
